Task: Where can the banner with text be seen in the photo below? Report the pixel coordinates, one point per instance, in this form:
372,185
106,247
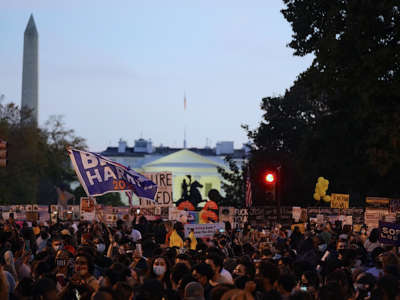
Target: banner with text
99,176
204,230
163,196
389,233
340,200
87,209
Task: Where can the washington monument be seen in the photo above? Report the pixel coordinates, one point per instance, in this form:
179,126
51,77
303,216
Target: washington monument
30,85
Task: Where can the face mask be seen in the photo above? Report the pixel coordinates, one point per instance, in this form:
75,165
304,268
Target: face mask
322,247
101,247
159,270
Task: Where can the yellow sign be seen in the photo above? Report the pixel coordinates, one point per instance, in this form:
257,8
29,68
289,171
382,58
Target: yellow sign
340,200
378,200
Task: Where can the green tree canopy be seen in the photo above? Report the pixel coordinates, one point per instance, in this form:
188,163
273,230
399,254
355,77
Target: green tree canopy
37,157
341,117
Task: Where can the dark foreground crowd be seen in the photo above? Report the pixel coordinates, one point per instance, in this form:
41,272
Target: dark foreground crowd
144,260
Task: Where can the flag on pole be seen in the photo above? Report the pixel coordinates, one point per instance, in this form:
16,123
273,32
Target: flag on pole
249,193
99,175
184,102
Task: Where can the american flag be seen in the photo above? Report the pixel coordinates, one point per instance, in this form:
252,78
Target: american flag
248,192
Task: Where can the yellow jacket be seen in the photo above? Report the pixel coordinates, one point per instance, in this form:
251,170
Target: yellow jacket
193,241
175,240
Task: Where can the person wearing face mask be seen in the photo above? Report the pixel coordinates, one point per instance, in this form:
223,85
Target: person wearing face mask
84,267
56,244
160,270
100,246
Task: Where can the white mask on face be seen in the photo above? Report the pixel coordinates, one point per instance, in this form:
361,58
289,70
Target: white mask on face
101,247
159,270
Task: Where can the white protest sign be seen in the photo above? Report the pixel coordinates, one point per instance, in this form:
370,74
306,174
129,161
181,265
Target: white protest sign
320,219
203,230
348,220
87,209
296,213
164,191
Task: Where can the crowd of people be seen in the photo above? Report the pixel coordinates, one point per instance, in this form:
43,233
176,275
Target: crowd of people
144,260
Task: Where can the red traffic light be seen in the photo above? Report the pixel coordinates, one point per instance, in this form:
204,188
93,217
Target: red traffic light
269,178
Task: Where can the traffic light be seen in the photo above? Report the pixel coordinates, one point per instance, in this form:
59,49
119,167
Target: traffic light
270,180
3,154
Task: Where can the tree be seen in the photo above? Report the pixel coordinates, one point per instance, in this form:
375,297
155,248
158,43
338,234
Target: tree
340,118
234,184
279,140
38,161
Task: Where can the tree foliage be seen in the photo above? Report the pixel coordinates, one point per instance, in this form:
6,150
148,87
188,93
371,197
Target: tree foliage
341,117
234,183
37,157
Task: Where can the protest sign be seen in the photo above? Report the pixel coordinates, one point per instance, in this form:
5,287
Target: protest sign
31,216
175,214
163,197
87,209
340,200
301,226
320,219
380,202
389,233
193,217
240,217
296,213
204,230
99,176
372,216
226,214
394,205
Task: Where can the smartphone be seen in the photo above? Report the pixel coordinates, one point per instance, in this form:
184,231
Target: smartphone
222,230
138,211
303,288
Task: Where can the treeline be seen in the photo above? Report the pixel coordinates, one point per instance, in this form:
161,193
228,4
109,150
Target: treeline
341,117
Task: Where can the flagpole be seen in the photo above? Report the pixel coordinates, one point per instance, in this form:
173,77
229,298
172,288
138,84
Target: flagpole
184,120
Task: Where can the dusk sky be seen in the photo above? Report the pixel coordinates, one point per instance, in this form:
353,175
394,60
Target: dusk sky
119,69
